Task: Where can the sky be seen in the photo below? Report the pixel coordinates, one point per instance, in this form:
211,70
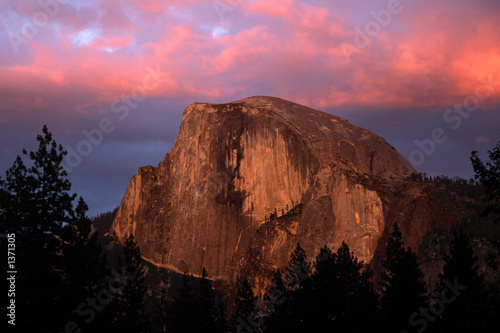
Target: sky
111,78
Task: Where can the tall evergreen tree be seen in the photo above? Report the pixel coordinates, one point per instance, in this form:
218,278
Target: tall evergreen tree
462,288
130,311
183,309
161,312
488,175
16,195
85,264
298,272
404,290
246,317
36,204
194,308
212,317
85,273
296,311
53,203
274,301
340,277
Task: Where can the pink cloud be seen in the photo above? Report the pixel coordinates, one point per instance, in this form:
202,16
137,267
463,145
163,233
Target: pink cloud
5,149
286,48
427,58
482,139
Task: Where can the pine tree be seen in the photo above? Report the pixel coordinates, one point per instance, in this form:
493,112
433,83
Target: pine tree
324,290
341,277
60,264
15,198
85,271
36,204
130,310
161,312
197,308
185,315
464,308
246,317
84,260
403,288
211,318
488,175
274,301
296,312
298,271
53,203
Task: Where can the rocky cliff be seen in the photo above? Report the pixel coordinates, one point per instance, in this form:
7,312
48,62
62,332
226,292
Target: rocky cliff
245,181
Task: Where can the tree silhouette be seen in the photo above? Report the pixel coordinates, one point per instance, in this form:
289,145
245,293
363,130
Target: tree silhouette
130,310
162,309
212,317
403,288
195,310
462,290
337,296
274,301
84,260
340,277
246,317
298,271
488,175
183,315
37,207
294,311
52,200
16,195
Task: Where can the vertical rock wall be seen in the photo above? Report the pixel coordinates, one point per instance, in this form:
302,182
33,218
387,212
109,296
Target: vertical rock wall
236,167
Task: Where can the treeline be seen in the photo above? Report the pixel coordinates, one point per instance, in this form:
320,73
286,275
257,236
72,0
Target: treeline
59,280
62,282
335,293
423,177
103,221
471,188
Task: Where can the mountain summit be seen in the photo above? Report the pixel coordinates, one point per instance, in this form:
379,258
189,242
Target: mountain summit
259,175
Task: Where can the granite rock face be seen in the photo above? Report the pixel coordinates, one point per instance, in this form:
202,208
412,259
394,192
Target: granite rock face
245,181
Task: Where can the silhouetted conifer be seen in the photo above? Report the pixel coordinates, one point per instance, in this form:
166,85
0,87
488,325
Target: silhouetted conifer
461,296
183,315
85,270
298,271
296,311
161,311
212,317
130,313
404,290
16,196
488,175
340,277
274,301
246,316
37,207
197,308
